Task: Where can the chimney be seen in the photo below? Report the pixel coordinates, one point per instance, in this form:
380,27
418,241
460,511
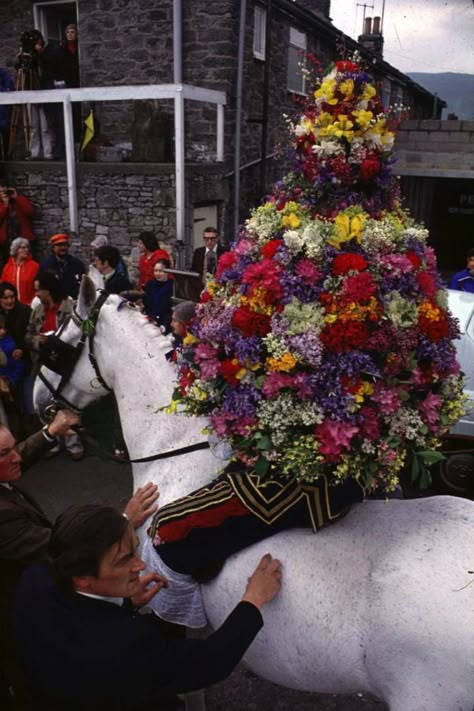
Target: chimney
319,7
372,39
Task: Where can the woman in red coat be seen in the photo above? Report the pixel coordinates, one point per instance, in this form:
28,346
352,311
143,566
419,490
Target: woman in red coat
150,254
14,207
21,270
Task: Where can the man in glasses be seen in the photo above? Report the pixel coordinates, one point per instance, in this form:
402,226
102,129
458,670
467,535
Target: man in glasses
205,258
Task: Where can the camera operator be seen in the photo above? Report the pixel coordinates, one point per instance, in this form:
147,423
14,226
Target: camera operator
15,219
45,66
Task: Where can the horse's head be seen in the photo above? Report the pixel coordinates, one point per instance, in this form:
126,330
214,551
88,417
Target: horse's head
69,375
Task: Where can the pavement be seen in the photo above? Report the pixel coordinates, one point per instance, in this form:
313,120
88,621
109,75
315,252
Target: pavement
58,483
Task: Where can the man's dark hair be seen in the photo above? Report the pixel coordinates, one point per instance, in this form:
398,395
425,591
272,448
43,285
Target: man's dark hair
210,229
149,240
109,254
49,281
80,538
470,253
6,286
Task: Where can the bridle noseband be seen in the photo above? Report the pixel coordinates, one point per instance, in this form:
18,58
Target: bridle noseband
61,351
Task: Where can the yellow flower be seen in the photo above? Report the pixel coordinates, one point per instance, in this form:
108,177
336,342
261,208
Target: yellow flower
346,87
189,340
283,364
430,311
346,229
363,390
363,117
342,127
326,92
369,92
291,220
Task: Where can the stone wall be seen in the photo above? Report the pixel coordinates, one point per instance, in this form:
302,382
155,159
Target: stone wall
116,200
436,148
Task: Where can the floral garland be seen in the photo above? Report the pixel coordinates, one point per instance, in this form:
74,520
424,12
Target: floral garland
323,345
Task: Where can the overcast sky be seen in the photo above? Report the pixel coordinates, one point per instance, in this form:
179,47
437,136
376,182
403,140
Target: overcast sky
421,36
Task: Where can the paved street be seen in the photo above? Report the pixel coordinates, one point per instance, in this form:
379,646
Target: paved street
58,483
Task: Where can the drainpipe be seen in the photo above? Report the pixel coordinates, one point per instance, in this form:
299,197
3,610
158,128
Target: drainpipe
177,41
238,113
179,129
266,91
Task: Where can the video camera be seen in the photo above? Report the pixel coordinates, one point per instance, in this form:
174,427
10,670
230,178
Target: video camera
27,55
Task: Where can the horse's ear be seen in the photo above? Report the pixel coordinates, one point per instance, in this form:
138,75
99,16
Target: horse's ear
87,297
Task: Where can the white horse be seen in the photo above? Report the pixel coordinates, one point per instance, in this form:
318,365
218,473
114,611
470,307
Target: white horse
381,602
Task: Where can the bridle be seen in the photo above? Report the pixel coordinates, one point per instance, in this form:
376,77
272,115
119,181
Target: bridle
59,351
71,355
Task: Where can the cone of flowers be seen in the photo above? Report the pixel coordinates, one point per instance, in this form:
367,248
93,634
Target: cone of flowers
323,347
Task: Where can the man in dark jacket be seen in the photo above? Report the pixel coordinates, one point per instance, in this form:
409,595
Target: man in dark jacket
106,260
84,648
69,269
205,258
25,530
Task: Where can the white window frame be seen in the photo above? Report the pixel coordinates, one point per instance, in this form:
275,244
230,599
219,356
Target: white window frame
297,41
39,17
259,32
386,92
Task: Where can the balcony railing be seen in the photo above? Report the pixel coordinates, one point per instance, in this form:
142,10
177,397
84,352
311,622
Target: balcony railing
177,92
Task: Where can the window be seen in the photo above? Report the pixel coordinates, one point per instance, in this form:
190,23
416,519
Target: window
296,50
386,91
259,32
51,18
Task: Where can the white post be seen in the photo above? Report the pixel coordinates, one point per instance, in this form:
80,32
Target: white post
179,163
70,165
220,133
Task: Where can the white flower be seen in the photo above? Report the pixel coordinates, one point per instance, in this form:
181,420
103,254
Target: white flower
294,241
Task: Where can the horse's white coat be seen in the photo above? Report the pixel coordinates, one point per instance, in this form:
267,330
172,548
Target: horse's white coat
381,602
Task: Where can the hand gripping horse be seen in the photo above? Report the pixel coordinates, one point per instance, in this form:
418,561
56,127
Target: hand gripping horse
381,602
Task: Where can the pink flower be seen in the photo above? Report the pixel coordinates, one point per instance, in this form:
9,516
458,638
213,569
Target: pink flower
206,356
334,437
274,382
388,400
396,263
429,409
244,247
308,271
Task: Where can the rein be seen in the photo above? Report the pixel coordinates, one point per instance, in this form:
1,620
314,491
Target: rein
88,330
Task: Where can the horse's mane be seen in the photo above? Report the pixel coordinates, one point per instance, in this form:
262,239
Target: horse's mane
135,317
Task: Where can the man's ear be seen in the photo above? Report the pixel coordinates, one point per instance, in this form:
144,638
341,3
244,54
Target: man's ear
82,583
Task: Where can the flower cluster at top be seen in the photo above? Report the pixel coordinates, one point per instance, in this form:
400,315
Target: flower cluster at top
323,347
342,146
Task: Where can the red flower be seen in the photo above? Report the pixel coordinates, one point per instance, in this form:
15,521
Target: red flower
369,169
229,368
270,248
359,287
427,284
414,259
186,379
343,337
250,323
226,261
345,66
435,330
205,297
344,263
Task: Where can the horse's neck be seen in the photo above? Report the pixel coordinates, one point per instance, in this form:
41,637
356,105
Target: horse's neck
143,380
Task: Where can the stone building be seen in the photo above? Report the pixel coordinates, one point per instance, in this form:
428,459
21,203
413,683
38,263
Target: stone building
250,50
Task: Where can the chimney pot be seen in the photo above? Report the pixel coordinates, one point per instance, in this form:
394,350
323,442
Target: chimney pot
367,26
376,26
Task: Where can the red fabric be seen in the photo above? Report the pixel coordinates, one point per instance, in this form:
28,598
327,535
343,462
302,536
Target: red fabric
50,319
146,264
22,276
24,212
176,530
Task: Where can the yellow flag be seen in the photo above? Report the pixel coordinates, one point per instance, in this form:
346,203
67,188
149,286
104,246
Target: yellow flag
89,130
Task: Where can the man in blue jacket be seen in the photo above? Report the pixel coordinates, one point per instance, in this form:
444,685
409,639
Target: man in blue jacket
464,280
69,269
84,646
